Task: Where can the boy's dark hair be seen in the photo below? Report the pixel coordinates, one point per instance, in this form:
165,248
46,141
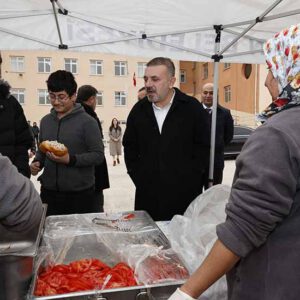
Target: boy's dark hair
62,80
165,61
85,92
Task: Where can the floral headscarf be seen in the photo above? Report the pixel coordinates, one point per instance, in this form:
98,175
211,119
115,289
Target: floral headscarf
283,59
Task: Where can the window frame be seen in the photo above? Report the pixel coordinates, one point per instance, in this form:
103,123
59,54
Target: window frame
96,63
73,64
205,71
141,67
98,96
182,73
19,64
18,93
122,65
44,64
44,94
227,93
227,66
122,95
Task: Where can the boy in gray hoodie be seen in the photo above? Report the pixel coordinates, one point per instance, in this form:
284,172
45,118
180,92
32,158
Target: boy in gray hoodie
67,182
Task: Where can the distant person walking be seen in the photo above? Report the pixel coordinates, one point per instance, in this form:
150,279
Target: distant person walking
115,143
35,130
86,95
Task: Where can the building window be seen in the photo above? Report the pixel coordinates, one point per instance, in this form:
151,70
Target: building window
141,69
227,66
120,68
43,97
17,63
96,67
19,94
182,76
71,65
44,64
227,93
247,70
205,70
120,98
99,98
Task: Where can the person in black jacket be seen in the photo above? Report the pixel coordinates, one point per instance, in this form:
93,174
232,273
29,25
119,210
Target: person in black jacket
15,136
224,134
86,95
165,144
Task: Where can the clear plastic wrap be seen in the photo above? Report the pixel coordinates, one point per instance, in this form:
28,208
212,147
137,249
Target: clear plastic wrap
193,234
129,237
154,264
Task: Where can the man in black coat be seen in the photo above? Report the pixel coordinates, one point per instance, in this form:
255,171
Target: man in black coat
86,95
165,144
15,136
224,133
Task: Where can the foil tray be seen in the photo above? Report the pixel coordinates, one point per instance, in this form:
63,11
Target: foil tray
74,237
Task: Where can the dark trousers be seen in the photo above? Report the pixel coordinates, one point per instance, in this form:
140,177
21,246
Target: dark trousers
36,140
218,177
63,203
99,195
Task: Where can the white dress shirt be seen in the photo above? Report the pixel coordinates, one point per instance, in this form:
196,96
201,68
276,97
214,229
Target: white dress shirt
161,112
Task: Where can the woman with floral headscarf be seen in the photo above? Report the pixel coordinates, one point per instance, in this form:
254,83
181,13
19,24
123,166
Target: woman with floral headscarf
258,246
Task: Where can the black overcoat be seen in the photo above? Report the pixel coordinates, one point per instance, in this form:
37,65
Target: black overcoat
166,167
15,137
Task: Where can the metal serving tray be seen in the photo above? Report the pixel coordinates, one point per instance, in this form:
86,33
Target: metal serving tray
17,253
74,237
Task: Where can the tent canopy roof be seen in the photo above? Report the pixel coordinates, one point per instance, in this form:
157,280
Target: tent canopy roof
182,30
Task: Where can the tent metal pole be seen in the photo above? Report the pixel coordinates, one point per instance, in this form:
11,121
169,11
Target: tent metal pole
258,19
27,37
61,45
245,36
243,53
216,58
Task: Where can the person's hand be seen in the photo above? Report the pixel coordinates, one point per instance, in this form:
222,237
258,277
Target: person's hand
180,295
65,159
35,168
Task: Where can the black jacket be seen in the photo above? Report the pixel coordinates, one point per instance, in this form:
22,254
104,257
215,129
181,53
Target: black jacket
101,172
15,136
224,133
166,167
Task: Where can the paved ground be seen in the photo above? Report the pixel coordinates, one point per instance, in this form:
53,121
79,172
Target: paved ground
120,195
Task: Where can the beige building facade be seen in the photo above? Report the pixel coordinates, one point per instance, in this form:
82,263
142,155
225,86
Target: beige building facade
241,86
111,75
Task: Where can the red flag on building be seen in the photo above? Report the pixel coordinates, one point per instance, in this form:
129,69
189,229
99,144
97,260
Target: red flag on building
134,79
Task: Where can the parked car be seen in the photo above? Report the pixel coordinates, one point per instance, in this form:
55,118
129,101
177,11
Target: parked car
240,135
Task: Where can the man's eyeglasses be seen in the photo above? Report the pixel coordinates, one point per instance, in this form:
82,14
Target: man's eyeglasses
60,98
208,92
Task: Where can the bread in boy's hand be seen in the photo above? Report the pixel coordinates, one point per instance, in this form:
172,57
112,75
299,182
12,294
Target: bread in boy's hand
55,147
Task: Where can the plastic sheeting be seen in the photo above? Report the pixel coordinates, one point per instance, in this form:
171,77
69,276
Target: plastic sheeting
193,234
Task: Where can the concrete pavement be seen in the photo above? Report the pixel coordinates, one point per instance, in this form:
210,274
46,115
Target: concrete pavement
120,195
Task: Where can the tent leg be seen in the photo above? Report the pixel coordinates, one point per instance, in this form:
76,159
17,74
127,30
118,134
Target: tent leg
61,45
216,58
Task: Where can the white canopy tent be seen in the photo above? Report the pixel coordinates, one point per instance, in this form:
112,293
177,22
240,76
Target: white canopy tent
195,30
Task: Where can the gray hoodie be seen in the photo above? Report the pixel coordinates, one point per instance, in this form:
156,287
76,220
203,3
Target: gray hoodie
20,204
80,133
